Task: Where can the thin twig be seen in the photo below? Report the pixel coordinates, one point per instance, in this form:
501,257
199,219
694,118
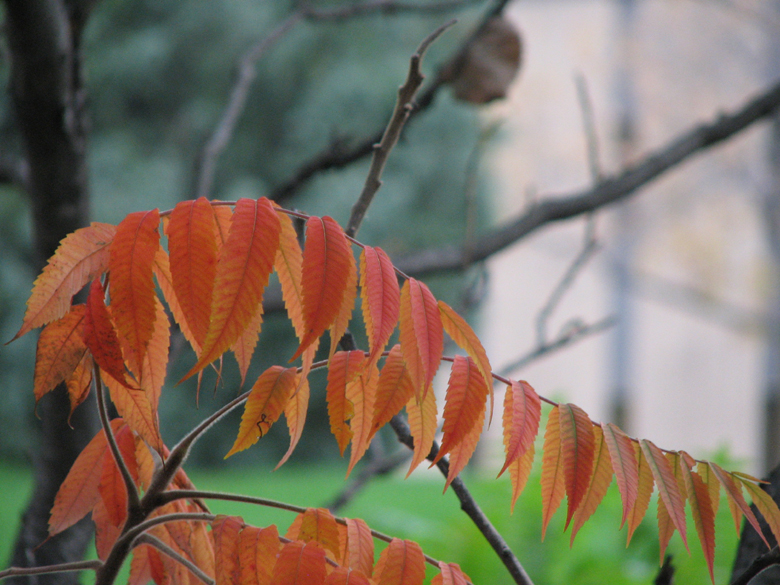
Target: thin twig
334,157
760,563
403,107
92,565
589,128
608,191
130,536
385,7
150,540
569,337
469,505
223,131
132,492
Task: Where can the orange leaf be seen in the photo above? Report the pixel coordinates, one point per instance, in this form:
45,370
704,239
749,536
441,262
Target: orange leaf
462,334
60,350
668,489
644,491
265,404
451,574
155,364
702,512
522,411
553,484
245,263
464,406
257,550
100,335
193,257
319,525
112,488
600,478
343,368
132,284
360,546
244,346
422,334
379,293
162,272
665,529
361,392
519,470
462,452
327,261
341,322
140,566
709,479
78,494
106,533
134,406
422,425
621,451
295,414
394,389
401,563
346,576
577,446
300,564
287,263
82,256
736,500
765,504
79,382
225,532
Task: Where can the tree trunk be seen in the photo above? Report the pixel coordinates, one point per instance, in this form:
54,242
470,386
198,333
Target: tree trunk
47,93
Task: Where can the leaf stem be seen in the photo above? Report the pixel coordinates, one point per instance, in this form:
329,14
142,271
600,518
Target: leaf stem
150,540
92,565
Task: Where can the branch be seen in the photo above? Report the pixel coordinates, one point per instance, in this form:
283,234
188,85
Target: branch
335,157
759,564
610,190
385,7
92,565
403,108
469,505
167,550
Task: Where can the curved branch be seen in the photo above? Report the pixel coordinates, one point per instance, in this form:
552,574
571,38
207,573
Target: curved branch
759,564
610,190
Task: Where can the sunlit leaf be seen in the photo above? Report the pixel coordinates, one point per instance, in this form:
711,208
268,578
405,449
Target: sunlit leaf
624,463
600,478
381,298
422,425
553,483
422,334
522,412
577,446
343,368
401,563
61,349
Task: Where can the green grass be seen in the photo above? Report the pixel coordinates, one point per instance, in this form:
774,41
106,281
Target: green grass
416,509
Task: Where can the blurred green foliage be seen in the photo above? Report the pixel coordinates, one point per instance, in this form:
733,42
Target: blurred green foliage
158,74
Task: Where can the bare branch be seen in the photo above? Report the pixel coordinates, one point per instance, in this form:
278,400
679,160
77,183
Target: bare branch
469,505
403,108
167,550
92,565
610,190
336,157
759,564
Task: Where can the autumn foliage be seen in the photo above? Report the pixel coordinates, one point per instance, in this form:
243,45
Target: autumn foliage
212,278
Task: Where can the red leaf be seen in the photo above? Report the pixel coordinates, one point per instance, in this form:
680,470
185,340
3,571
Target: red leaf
462,334
300,564
701,510
162,273
360,546
519,471
78,494
346,576
451,574
295,414
133,251
265,404
464,406
193,256
344,367
327,260
112,489
287,263
79,382
341,322
600,478
621,452
100,335
462,452
155,364
522,411
225,532
82,256
361,392
422,424
644,491
401,563
245,263
244,346
60,350
257,550
422,334
106,533
393,390
379,293
134,406
577,446
553,485
668,489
